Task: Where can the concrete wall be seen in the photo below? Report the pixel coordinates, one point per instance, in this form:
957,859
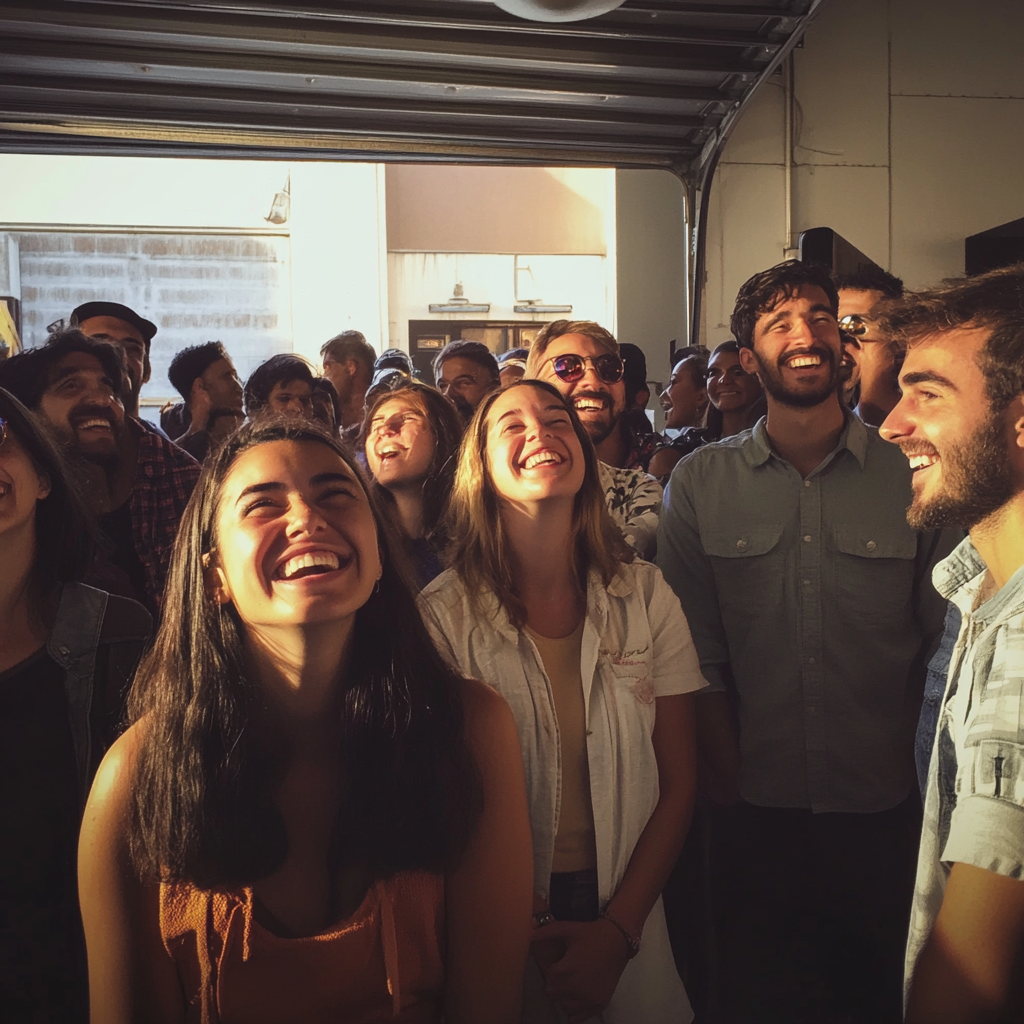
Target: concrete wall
909,136
546,210
651,265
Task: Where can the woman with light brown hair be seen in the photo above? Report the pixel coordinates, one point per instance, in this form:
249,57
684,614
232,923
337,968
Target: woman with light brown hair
546,602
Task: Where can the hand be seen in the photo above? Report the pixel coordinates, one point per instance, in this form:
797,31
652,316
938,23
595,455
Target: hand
582,981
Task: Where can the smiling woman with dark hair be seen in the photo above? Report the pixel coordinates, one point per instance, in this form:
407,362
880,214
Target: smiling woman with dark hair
67,652
313,817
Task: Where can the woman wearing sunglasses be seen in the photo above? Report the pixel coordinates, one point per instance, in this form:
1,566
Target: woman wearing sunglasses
67,654
590,647
411,437
312,818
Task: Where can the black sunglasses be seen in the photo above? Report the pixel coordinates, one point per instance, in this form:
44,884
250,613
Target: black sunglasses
571,368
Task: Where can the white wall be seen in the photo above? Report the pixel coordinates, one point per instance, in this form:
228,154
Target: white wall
909,137
415,280
339,254
651,265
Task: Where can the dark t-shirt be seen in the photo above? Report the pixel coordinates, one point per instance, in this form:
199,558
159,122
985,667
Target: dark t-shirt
42,949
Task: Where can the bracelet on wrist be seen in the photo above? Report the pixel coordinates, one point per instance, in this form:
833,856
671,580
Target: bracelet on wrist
633,941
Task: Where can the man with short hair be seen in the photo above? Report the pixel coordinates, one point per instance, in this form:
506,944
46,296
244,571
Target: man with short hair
512,365
868,346
136,482
807,595
281,385
960,424
581,359
348,360
466,372
122,327
205,378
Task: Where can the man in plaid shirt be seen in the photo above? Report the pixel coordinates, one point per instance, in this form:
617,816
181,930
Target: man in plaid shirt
135,481
960,422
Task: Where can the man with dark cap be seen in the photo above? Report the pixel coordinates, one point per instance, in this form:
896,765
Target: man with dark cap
122,327
205,378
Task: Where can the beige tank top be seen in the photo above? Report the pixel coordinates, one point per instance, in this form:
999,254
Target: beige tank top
575,849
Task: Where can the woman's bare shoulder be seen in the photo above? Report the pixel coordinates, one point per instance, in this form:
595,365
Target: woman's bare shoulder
111,788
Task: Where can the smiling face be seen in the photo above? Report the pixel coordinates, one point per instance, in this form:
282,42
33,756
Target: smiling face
400,444
81,411
599,405
532,451
958,450
730,387
22,486
797,349
684,401
296,541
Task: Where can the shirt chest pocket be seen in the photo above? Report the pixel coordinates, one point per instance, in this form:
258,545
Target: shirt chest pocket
631,672
874,571
749,567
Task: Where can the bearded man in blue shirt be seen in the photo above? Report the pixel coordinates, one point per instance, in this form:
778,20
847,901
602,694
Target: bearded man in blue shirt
812,611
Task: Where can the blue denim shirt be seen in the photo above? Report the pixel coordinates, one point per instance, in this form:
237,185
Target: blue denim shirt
934,688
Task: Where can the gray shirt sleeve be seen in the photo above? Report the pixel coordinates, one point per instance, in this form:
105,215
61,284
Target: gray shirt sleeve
687,568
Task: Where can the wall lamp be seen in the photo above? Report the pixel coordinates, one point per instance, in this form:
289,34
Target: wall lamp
540,307
458,303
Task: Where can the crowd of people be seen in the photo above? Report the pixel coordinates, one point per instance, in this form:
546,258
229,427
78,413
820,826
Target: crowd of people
343,695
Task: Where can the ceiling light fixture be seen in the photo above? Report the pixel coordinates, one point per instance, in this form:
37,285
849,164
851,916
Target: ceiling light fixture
557,10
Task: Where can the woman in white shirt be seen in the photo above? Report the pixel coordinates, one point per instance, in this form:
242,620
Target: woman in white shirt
547,603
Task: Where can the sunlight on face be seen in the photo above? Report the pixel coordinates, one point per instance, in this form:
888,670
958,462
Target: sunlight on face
296,539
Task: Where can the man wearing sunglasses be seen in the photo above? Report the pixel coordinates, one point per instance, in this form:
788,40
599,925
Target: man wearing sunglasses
582,360
867,345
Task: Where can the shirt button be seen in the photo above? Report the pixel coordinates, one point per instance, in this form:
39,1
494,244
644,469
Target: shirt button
807,538
807,583
871,545
741,545
64,650
807,483
810,661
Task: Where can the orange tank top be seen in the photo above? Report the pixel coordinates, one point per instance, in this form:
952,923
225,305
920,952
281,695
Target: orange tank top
384,962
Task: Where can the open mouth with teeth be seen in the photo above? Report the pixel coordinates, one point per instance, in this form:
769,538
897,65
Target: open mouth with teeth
590,404
386,452
922,461
94,423
313,563
805,361
544,458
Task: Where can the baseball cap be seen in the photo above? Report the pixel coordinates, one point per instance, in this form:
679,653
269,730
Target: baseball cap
90,309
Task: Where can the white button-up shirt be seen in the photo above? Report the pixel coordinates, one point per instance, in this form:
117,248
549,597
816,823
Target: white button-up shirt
636,647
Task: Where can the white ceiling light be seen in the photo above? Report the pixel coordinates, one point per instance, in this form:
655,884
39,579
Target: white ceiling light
558,10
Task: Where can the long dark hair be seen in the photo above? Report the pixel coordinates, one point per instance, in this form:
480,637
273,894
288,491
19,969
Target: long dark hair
714,421
65,535
203,810
447,429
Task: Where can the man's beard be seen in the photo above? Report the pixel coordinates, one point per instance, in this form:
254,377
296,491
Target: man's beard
77,455
462,407
771,378
977,481
599,429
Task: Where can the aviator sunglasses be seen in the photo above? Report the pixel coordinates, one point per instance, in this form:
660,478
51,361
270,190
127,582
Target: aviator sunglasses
857,324
571,368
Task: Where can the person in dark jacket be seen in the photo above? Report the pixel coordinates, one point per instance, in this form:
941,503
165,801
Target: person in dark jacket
67,655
